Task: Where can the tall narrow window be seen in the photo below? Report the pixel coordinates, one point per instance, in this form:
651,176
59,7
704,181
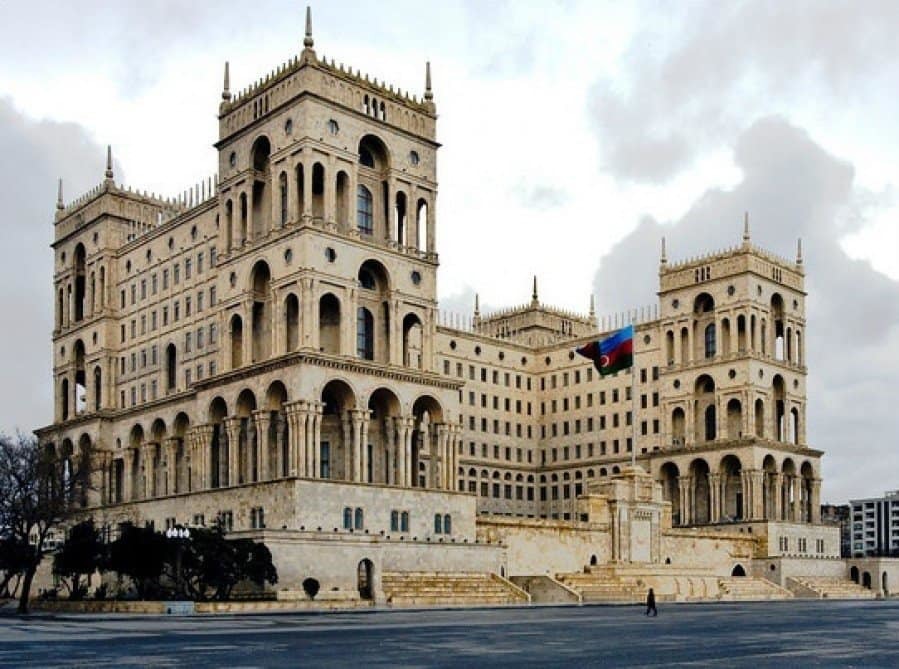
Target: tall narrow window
325,460
283,185
710,341
364,210
365,340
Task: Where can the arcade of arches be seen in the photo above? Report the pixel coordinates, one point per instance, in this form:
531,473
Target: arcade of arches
338,436
702,491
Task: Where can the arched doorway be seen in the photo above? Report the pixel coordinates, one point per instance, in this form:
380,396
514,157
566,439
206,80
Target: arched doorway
866,580
738,571
853,574
883,585
364,574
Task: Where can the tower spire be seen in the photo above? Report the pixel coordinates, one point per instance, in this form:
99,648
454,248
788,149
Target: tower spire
308,42
477,306
799,251
746,228
429,93
592,306
109,174
59,203
663,259
226,90
534,299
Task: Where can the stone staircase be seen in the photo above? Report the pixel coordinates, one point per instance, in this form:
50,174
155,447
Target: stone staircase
831,587
749,588
450,589
604,587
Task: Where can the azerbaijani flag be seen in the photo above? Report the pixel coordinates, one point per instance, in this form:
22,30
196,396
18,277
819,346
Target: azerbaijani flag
613,353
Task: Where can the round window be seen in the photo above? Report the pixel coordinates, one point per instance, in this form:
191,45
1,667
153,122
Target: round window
453,344
524,361
677,383
732,374
571,355
547,360
288,256
502,356
731,290
675,303
477,350
647,339
416,277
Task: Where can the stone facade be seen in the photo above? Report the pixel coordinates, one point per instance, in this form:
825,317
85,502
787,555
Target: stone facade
265,351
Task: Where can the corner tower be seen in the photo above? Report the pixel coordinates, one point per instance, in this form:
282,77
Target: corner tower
734,380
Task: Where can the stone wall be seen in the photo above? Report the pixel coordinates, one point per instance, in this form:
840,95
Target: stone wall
535,547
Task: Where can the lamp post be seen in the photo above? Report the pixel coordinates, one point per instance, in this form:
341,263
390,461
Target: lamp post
180,535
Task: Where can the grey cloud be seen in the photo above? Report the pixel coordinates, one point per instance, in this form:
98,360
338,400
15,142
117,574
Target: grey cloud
37,153
539,197
793,188
704,71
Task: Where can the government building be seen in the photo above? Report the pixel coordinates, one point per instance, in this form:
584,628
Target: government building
265,352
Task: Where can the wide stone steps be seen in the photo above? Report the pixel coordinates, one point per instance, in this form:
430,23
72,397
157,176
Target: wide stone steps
602,588
743,588
829,587
448,589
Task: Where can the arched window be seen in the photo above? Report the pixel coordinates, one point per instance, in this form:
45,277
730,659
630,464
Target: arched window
438,524
394,521
404,521
98,393
364,210
347,518
447,524
710,340
365,334
359,519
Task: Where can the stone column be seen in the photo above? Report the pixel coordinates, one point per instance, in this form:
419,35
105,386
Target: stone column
714,497
317,436
390,454
262,419
205,436
330,193
778,496
296,446
276,470
250,232
171,465
432,223
407,452
307,192
365,417
815,501
795,503
232,429
292,194
682,491
757,484
354,423
127,475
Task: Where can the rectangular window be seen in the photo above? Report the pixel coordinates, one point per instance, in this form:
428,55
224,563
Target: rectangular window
187,302
143,289
200,262
212,296
325,460
165,279
364,218
199,301
212,256
152,320
176,274
165,316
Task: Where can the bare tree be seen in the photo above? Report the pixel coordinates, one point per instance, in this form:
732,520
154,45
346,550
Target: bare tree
40,492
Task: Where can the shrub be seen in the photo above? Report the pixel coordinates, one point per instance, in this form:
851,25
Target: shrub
311,587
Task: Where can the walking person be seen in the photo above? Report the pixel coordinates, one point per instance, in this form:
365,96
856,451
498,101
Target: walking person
651,603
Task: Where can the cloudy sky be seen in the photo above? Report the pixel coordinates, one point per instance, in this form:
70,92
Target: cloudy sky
575,135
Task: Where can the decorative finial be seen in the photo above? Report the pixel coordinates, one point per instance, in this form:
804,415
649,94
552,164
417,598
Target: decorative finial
799,251
109,174
534,299
746,227
429,94
663,259
308,43
477,306
592,306
226,91
59,203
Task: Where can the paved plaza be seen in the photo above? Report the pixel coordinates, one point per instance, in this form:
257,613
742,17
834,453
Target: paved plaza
781,634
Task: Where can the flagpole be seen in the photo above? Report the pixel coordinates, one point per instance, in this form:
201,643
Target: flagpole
634,406
634,400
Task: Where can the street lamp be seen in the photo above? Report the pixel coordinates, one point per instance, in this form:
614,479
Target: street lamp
181,535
